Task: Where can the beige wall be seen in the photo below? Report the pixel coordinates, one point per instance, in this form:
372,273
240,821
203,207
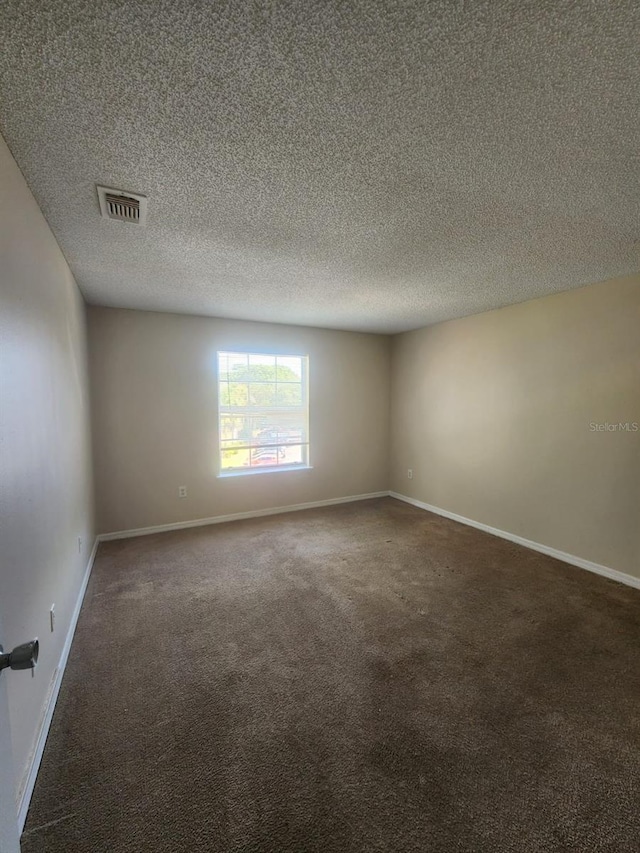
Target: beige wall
155,417
493,413
45,456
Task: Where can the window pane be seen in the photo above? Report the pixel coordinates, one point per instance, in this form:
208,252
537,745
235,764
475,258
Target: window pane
234,394
233,363
294,455
237,428
289,368
289,394
262,394
234,458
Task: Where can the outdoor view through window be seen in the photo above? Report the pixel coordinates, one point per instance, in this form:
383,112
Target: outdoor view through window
263,404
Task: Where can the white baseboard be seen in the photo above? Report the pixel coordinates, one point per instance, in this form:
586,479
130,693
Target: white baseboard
236,516
26,791
613,574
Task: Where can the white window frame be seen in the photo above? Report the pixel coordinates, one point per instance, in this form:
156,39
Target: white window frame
267,411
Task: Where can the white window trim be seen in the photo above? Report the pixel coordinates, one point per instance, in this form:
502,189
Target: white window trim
247,472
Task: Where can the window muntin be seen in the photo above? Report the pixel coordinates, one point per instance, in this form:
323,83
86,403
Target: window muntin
263,410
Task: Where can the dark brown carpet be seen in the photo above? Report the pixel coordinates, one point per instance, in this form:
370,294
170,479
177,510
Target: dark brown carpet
367,677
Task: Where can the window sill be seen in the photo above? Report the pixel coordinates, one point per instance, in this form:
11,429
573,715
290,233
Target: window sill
279,469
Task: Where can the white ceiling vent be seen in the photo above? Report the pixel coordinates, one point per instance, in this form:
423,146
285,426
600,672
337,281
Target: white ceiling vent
123,206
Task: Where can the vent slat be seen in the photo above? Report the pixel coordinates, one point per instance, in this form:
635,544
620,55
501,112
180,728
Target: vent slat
122,207
115,204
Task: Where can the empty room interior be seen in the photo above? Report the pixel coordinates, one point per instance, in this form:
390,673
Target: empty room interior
320,426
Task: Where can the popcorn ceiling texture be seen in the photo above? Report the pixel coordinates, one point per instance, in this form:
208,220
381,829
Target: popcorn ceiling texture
367,165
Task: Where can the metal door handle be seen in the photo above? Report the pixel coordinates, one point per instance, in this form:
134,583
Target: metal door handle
22,657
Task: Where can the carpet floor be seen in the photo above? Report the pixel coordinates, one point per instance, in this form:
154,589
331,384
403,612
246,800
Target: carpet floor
364,677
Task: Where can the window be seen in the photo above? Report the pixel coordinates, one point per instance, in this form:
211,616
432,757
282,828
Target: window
263,405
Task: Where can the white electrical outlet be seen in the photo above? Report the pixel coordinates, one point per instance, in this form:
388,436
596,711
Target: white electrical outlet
182,491
52,616
410,474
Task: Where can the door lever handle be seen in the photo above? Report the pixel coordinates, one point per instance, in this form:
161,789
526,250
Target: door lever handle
22,657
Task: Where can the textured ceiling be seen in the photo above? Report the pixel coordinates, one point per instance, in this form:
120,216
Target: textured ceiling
374,165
